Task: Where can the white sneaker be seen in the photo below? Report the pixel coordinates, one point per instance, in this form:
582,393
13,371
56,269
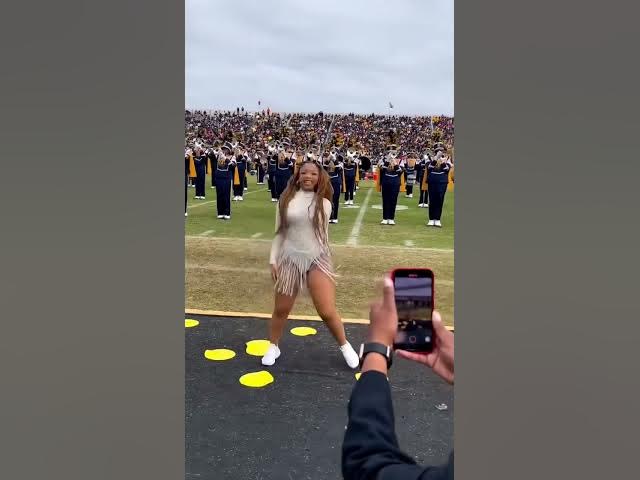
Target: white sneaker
335,221
426,205
240,199
273,352
246,188
350,355
213,186
274,199
220,216
431,223
235,199
186,214
392,222
384,222
420,205
438,224
227,217
411,195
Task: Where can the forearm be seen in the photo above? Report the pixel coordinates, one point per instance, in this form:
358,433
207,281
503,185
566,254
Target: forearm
370,443
275,249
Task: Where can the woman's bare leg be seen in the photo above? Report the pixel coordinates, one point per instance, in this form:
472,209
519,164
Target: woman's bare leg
323,293
283,305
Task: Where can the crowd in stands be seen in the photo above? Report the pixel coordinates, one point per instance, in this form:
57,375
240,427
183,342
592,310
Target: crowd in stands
371,132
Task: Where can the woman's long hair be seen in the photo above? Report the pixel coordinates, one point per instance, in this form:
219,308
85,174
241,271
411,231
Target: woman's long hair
323,189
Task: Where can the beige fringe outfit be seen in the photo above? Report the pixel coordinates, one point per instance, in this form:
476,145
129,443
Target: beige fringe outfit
298,251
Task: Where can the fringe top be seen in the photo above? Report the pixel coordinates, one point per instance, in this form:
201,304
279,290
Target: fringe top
300,240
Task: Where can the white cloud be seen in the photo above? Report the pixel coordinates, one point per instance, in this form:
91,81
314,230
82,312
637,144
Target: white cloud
330,55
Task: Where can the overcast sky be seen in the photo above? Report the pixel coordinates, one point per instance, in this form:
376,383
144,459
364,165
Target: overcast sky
312,55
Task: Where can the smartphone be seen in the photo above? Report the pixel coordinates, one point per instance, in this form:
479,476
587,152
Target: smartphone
414,296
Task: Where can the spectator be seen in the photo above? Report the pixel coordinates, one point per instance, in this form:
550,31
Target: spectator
370,449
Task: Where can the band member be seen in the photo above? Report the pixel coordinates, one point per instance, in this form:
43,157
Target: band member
189,171
410,173
390,183
358,173
335,169
239,172
364,165
284,171
421,180
350,173
200,160
272,166
300,258
261,166
437,180
223,176
213,161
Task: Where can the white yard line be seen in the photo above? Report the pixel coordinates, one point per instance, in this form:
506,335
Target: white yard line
409,243
353,237
213,201
256,235
208,232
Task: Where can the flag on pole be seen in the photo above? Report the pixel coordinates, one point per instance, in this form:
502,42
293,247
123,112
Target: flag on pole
390,105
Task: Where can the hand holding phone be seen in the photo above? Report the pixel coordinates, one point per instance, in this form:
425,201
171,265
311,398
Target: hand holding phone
441,358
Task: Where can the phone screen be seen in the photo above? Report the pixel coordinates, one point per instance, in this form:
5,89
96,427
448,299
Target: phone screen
414,304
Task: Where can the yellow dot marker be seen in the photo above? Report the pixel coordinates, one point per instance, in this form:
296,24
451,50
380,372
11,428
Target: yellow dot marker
303,331
257,348
358,375
219,354
190,323
256,379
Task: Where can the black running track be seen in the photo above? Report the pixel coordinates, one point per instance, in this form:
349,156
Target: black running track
293,428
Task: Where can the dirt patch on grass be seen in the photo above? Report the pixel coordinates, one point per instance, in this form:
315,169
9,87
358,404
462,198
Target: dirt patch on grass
233,275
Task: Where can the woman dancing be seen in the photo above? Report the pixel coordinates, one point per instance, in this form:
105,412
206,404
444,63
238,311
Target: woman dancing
300,257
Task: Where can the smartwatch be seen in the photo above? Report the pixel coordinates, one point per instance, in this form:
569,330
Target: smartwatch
383,350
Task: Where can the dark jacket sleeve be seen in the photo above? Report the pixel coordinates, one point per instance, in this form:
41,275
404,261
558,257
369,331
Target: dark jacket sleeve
370,450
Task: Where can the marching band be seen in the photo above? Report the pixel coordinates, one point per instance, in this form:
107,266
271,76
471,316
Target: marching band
231,162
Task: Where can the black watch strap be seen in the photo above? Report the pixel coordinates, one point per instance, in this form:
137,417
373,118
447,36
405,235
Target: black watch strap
383,350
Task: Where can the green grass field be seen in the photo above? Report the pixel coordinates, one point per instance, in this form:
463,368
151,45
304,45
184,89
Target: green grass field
226,262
